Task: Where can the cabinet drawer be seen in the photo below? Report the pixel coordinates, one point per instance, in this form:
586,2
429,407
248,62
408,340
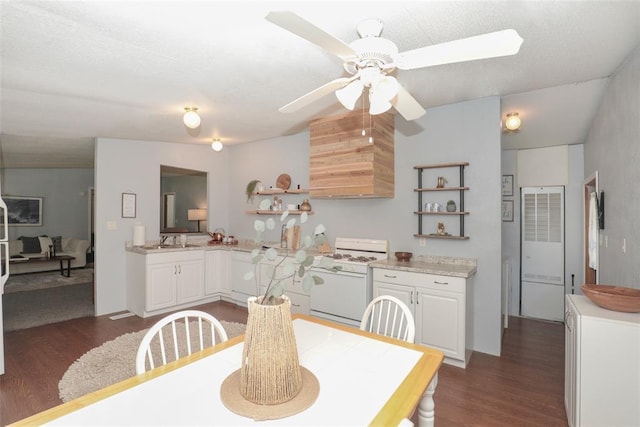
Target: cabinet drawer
175,257
422,280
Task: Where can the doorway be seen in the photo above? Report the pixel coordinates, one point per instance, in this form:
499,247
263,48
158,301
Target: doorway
591,231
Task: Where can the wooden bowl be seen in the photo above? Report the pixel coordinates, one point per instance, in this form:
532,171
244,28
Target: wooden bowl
616,298
404,256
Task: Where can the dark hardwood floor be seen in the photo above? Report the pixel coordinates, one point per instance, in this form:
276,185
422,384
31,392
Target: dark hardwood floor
523,387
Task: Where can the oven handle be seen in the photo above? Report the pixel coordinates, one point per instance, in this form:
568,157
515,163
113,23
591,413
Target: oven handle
337,273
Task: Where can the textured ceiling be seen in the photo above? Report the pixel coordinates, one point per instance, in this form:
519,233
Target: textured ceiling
73,71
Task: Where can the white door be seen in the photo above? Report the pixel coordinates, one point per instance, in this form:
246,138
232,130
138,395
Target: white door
4,271
542,265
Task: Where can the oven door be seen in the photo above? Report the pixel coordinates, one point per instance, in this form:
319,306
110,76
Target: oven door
342,297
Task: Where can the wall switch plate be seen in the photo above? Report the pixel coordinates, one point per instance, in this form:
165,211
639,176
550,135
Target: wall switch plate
112,225
423,241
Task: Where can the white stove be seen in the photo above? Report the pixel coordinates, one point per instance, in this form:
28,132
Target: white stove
354,255
346,291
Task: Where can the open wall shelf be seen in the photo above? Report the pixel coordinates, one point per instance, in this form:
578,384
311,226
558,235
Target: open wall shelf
460,212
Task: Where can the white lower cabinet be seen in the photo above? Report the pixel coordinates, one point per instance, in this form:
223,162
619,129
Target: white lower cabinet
299,299
162,282
439,306
602,365
217,274
241,289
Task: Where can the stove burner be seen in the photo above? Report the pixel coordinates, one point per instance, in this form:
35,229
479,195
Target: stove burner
349,257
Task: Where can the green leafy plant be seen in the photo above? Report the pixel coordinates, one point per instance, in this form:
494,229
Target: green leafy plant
251,188
290,265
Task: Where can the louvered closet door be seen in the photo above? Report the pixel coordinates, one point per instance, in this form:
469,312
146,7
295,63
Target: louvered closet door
542,265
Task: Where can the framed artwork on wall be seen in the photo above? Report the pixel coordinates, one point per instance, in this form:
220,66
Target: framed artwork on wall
128,205
507,185
507,211
24,211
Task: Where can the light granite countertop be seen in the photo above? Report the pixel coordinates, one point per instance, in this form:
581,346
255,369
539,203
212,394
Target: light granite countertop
243,245
444,266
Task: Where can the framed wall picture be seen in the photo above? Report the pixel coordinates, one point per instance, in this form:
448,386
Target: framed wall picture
128,205
24,211
507,211
507,185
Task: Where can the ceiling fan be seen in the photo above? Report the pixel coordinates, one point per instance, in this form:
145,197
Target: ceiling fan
371,59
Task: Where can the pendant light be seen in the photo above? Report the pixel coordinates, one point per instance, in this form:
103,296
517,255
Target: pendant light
191,118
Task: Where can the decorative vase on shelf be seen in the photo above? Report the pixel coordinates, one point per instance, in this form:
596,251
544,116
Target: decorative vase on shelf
305,206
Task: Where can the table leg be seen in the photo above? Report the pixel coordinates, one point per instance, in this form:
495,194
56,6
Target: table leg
426,410
68,268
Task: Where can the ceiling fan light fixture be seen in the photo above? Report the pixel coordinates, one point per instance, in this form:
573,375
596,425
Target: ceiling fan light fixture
386,88
349,95
216,145
377,104
191,118
513,122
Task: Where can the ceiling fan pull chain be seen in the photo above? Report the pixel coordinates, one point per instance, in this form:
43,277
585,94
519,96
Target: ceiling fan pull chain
363,107
370,130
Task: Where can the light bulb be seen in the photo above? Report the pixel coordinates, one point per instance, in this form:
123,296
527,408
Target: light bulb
216,144
513,121
191,118
386,88
349,95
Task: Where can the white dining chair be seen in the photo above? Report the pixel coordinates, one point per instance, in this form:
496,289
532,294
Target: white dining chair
387,315
178,335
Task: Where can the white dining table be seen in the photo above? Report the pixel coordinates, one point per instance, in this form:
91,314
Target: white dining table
365,379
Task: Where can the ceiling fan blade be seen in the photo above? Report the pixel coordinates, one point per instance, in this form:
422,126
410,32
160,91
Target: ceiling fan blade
308,31
491,45
315,94
406,105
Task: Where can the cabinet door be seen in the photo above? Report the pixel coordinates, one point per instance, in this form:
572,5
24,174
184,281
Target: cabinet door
570,363
406,294
440,318
239,265
161,286
216,277
190,281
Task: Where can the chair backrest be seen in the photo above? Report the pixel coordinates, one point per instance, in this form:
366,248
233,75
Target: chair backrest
178,335
387,315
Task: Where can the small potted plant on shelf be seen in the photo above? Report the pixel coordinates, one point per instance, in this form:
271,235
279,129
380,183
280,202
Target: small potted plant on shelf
451,206
251,188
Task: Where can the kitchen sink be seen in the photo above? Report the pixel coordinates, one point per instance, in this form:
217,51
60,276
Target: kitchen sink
172,246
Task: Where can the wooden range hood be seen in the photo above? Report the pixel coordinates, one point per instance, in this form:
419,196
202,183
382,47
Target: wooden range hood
343,164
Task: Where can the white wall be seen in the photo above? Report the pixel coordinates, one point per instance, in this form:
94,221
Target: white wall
133,166
613,150
438,137
65,208
124,166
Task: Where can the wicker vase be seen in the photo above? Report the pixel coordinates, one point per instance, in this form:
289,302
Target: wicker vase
270,372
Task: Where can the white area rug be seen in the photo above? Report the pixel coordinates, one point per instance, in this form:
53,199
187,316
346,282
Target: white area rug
112,362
